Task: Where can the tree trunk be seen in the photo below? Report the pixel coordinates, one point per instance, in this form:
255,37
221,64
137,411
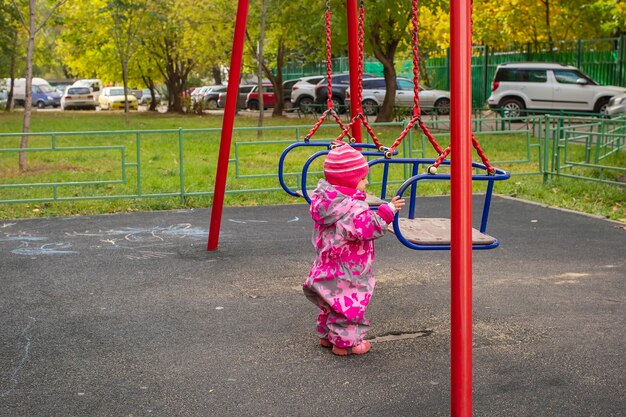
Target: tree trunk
151,87
385,52
125,81
260,70
9,106
277,81
175,71
548,26
175,86
149,82
217,74
28,92
385,113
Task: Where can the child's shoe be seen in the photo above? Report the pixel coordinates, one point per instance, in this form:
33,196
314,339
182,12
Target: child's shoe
360,349
325,343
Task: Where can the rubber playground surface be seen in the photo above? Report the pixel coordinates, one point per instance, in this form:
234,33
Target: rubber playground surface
129,315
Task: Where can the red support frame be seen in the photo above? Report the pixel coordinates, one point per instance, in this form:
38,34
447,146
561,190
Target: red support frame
461,208
230,109
461,183
353,59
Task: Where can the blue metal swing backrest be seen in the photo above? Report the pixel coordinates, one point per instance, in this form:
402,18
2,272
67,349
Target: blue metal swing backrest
371,200
305,169
283,156
434,233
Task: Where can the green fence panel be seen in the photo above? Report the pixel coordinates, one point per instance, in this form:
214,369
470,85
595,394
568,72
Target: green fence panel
586,148
181,163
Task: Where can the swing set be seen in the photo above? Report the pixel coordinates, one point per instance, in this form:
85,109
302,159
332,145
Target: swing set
414,233
460,241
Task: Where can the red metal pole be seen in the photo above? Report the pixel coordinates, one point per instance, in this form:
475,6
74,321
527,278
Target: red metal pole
353,58
461,208
230,109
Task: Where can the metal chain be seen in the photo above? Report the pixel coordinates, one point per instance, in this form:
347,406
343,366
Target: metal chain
329,63
360,117
361,62
416,59
330,112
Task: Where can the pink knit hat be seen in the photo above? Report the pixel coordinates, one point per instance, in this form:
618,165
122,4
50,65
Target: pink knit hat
345,166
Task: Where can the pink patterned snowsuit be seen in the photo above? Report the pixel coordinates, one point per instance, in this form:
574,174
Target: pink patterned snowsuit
341,281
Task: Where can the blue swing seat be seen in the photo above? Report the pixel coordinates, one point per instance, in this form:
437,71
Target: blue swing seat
414,233
434,233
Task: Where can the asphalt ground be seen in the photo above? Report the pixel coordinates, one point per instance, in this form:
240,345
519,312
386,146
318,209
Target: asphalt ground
129,315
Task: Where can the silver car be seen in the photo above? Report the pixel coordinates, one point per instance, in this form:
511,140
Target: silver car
198,93
374,90
617,105
78,98
241,98
303,92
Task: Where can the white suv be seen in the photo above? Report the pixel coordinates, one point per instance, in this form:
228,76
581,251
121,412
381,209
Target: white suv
303,92
547,87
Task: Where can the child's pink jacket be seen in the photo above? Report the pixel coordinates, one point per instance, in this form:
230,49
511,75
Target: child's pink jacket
341,281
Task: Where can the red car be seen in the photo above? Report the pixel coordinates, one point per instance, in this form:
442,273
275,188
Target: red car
269,100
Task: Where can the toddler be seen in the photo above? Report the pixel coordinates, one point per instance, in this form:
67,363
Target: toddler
341,281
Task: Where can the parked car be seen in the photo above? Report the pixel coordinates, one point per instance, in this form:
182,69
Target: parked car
287,88
93,84
269,99
193,92
340,83
241,99
60,88
196,95
78,98
211,95
112,98
43,94
145,98
303,92
541,87
375,89
617,105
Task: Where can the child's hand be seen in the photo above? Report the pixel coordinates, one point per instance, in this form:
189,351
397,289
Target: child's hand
397,202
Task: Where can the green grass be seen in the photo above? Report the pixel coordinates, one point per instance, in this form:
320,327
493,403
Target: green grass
255,167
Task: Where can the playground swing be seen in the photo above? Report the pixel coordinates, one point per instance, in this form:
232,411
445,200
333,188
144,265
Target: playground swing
434,233
415,233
